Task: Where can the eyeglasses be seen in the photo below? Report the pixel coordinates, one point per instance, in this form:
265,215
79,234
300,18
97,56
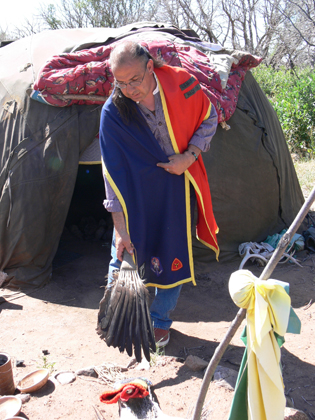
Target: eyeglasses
135,83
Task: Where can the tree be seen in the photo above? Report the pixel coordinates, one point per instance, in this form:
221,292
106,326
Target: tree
5,35
280,31
96,13
299,18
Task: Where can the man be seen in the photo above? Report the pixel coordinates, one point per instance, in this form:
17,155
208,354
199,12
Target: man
152,131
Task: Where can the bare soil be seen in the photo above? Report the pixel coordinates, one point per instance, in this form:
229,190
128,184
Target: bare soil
60,320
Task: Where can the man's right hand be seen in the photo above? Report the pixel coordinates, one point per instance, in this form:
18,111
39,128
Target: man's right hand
122,241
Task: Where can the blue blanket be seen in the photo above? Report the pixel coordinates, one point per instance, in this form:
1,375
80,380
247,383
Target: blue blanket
156,204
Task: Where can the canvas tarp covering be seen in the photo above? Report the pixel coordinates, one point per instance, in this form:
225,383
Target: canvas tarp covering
253,182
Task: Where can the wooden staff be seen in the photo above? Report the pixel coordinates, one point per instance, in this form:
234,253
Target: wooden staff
265,275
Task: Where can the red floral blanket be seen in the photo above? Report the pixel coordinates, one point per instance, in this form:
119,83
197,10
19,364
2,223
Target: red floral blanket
87,72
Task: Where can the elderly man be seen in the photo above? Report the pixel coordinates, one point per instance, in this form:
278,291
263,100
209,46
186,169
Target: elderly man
153,129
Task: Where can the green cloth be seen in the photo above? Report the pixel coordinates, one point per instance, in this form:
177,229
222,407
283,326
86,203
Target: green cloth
239,404
297,240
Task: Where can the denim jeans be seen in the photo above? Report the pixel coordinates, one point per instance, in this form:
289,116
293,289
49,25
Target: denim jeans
165,299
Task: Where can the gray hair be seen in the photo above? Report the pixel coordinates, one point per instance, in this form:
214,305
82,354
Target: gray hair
128,51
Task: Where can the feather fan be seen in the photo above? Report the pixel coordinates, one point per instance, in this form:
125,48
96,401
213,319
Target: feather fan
124,318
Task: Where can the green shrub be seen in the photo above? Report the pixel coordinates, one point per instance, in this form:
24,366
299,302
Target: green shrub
292,95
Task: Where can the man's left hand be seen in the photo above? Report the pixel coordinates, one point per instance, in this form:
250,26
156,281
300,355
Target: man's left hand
178,164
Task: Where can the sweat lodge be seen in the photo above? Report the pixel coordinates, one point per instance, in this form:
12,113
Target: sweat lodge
52,88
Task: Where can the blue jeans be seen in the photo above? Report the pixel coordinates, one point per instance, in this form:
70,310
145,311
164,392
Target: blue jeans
165,299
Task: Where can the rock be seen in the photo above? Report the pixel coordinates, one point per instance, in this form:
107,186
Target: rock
225,377
23,397
132,363
143,365
293,414
88,371
195,363
65,378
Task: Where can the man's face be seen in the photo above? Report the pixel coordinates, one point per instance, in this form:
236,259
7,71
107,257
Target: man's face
135,71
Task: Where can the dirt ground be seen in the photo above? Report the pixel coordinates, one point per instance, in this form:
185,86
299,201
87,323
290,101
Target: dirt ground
61,319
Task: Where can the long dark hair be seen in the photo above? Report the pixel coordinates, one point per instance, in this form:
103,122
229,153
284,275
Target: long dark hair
126,106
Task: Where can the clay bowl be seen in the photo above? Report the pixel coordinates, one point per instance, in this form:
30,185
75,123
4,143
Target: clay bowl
33,381
9,407
16,418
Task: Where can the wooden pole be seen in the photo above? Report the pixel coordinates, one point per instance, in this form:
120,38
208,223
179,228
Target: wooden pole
265,275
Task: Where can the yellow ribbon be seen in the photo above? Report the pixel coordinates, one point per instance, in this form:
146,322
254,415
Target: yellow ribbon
268,309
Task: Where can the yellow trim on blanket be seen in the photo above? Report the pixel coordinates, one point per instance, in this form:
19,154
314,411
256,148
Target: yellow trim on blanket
187,191
167,119
169,286
216,250
188,228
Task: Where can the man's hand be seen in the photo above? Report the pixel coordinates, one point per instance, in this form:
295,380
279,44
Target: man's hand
122,238
178,164
122,243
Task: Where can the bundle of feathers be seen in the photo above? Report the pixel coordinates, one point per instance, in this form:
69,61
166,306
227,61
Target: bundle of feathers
124,319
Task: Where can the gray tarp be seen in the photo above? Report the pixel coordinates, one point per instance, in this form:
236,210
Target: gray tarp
253,182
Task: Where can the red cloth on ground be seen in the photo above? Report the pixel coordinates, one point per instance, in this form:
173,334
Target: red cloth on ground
135,389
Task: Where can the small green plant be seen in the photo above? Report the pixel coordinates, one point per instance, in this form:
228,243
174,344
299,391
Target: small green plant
160,351
47,365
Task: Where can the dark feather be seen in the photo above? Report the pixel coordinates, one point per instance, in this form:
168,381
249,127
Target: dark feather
129,335
143,323
122,316
151,337
117,304
137,335
102,312
105,318
110,307
103,304
123,339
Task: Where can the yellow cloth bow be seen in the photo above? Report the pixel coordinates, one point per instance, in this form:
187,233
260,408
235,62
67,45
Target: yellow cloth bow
268,309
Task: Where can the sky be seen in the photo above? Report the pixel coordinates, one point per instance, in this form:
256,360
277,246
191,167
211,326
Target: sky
14,12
